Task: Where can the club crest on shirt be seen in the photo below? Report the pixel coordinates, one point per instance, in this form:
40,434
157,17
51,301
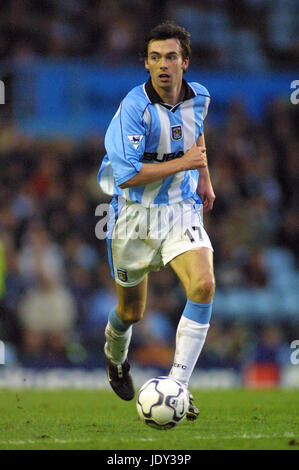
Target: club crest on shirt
122,274
135,140
176,132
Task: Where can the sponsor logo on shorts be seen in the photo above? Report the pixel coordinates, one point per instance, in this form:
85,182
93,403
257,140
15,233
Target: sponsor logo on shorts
122,275
176,132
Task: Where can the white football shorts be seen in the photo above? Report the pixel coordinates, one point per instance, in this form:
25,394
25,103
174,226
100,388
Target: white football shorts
143,239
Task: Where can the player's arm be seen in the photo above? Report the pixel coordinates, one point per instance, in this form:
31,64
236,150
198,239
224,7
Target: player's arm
204,187
193,159
125,153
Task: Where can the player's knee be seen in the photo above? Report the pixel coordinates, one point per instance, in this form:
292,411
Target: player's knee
132,313
202,290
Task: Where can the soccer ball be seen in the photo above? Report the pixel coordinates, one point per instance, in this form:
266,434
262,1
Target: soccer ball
162,402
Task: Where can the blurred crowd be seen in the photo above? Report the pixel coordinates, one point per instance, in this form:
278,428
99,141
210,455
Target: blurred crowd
250,34
55,284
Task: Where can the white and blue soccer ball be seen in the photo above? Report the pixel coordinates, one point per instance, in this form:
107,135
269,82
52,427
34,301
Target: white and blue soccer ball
162,402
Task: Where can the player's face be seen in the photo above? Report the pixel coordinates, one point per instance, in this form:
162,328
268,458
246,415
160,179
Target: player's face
165,64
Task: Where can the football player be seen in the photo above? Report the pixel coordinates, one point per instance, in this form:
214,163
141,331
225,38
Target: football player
156,171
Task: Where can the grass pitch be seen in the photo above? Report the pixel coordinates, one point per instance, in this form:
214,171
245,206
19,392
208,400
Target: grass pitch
85,419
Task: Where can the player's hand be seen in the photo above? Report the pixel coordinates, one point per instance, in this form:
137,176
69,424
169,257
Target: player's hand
195,157
206,192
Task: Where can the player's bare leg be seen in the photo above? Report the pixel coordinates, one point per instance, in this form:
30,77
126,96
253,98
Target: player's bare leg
129,310
195,270
131,302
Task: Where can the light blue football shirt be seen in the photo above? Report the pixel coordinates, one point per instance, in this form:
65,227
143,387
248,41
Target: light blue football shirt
145,130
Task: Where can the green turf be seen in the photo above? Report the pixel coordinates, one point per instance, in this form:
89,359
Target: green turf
82,419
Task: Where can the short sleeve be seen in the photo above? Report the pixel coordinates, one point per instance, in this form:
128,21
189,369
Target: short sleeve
125,141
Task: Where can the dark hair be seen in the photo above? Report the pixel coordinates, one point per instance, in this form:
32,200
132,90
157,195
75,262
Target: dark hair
169,30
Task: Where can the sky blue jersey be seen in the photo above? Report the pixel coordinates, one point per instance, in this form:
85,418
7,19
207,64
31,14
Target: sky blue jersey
146,130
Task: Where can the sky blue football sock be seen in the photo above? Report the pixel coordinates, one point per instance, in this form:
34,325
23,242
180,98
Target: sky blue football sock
116,323
201,313
118,337
190,338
